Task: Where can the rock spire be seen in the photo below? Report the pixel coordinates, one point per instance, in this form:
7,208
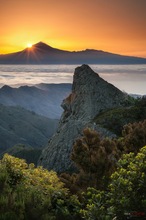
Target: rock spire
90,95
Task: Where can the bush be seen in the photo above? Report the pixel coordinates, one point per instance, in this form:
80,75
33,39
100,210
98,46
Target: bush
134,136
33,193
130,182
126,192
95,157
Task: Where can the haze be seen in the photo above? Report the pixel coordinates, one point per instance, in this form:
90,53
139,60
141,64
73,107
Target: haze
128,78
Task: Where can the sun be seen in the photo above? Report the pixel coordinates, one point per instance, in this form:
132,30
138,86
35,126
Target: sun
29,45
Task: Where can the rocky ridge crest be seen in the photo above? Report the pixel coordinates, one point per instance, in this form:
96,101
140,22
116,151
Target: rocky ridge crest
90,95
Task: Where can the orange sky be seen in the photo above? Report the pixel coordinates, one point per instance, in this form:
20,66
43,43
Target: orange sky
117,26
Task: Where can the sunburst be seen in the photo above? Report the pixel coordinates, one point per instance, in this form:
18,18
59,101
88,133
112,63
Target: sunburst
29,45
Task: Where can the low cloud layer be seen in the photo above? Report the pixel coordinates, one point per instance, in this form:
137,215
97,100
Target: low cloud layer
128,78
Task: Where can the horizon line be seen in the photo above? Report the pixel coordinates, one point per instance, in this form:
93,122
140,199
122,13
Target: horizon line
116,53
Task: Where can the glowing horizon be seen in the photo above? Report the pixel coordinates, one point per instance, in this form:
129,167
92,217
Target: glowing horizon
29,45
113,26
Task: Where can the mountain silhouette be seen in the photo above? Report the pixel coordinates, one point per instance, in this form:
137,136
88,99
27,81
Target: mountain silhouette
41,53
40,46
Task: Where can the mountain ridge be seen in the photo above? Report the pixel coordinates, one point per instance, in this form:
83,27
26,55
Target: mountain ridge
18,125
41,53
43,99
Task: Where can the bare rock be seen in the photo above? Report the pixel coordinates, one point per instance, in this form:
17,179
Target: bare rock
90,95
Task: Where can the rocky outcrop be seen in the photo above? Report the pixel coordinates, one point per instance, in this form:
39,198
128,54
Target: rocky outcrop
90,95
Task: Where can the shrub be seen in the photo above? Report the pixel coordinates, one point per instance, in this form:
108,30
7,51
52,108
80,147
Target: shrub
33,193
126,192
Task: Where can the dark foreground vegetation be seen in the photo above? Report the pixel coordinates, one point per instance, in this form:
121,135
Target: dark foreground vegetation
115,119
110,183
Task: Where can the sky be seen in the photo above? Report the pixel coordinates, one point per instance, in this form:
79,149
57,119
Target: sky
117,26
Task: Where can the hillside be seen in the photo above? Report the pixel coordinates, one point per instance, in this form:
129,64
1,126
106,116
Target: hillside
43,99
30,154
42,53
114,119
18,125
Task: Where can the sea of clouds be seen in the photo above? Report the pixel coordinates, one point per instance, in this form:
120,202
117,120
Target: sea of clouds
128,78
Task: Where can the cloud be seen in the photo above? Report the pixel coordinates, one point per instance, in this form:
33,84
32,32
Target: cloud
130,78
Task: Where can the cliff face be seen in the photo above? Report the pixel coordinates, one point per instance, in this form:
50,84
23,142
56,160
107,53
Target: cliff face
90,95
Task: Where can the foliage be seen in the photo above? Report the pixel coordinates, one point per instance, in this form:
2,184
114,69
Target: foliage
134,136
30,154
115,119
130,182
94,205
33,193
126,191
106,186
95,157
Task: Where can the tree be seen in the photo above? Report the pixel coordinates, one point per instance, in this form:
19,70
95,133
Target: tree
134,136
95,158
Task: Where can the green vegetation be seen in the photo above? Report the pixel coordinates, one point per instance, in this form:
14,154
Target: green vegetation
33,193
125,193
107,185
95,157
111,181
30,154
134,136
115,119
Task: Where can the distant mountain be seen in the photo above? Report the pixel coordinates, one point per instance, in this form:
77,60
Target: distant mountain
17,125
43,99
28,115
42,53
